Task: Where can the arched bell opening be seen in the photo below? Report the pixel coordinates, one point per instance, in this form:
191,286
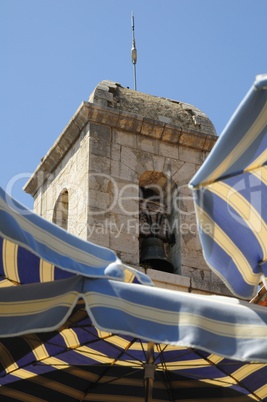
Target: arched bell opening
61,210
155,234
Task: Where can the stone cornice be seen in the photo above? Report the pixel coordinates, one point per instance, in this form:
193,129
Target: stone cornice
121,120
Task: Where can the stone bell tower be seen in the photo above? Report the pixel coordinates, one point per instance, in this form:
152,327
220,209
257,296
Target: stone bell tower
117,176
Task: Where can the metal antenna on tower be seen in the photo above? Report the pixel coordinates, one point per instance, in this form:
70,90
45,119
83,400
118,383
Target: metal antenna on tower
134,52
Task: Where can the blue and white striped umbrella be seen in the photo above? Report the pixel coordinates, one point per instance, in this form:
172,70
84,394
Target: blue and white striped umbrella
77,325
49,251
230,197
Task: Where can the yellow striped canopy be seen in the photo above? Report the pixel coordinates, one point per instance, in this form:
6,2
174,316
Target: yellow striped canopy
230,197
77,325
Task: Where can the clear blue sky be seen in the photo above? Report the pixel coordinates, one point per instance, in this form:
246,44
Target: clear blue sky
54,52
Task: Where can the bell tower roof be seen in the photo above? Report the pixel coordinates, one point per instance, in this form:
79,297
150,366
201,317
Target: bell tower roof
112,105
168,111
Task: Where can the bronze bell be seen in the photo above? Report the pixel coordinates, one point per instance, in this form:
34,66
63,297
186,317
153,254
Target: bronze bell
153,255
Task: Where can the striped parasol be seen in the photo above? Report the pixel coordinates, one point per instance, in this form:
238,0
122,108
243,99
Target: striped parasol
230,197
77,325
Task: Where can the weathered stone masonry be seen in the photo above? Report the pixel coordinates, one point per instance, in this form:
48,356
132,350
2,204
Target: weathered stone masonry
118,141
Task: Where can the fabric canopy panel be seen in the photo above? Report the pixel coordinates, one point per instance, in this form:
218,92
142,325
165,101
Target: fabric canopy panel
230,197
35,250
81,363
78,325
215,324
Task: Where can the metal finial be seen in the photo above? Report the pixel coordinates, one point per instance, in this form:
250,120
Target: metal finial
134,52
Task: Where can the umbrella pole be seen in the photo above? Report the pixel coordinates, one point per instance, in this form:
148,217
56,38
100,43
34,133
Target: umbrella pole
149,367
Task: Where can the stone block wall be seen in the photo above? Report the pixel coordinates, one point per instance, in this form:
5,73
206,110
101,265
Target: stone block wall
117,160
106,153
70,174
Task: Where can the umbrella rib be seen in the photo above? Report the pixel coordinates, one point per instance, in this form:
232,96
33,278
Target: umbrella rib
4,277
209,363
165,371
76,348
107,369
126,350
242,385
107,337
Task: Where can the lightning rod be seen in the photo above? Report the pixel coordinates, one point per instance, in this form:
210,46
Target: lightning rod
134,52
